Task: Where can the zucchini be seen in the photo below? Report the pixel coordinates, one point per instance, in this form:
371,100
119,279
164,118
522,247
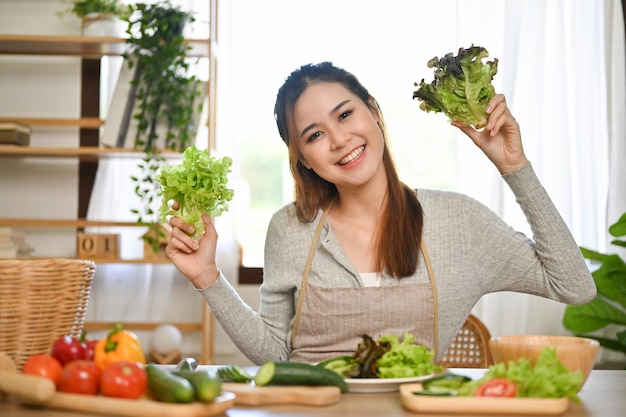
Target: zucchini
167,387
187,364
206,384
296,373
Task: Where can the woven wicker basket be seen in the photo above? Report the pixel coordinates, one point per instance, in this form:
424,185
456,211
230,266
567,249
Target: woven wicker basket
41,300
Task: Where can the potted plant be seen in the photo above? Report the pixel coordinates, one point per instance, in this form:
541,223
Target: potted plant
608,308
166,97
99,17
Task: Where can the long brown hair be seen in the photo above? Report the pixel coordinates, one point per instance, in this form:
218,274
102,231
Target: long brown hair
400,229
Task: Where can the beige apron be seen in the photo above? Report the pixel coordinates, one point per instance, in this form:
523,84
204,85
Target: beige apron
331,321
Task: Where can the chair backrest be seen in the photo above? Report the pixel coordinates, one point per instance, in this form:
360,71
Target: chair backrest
470,347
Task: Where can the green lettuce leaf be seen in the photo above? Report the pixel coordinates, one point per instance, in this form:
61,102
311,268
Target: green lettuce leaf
405,359
198,184
549,378
461,87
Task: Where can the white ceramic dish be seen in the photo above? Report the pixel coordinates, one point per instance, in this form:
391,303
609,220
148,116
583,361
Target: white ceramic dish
372,385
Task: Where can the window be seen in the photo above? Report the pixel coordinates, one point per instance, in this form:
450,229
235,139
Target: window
385,44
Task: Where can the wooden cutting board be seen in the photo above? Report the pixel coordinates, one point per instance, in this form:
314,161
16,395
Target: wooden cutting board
142,407
41,392
246,394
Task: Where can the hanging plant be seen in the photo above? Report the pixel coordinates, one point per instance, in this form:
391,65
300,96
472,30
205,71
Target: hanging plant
165,97
82,8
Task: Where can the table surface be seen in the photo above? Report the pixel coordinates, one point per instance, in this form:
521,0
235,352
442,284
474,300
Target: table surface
603,395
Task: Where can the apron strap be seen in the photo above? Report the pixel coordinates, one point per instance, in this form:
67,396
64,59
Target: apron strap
433,284
307,270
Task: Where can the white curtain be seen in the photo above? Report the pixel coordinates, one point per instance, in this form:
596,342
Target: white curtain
563,74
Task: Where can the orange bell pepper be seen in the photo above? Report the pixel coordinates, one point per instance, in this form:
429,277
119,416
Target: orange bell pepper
119,345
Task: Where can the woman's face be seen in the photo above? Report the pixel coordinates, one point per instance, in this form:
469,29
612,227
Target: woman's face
338,135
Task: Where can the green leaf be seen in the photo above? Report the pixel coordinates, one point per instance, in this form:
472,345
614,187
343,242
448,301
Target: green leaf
621,243
592,255
592,316
610,279
619,227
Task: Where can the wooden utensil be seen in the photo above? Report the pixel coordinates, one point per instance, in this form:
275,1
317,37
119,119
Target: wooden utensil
25,387
247,394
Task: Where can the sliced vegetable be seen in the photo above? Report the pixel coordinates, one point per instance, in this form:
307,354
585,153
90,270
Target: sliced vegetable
234,374
347,366
295,373
167,387
497,387
437,391
450,381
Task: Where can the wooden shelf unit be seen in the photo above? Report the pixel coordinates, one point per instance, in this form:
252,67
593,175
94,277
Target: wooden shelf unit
91,50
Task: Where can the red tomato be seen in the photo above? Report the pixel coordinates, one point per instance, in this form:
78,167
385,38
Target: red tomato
67,349
43,365
80,377
124,379
90,346
497,387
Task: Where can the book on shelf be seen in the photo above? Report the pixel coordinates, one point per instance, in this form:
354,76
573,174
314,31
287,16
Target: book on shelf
15,133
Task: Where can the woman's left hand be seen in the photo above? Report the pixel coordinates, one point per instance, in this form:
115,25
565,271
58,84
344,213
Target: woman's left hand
501,139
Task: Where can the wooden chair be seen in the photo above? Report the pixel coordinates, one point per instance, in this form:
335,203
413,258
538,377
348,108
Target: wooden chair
470,347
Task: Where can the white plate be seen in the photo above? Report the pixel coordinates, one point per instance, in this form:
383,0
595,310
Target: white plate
370,385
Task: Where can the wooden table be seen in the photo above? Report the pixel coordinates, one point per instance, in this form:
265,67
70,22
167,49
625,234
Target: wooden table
604,395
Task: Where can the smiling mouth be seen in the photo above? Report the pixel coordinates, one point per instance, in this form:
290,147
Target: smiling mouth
352,156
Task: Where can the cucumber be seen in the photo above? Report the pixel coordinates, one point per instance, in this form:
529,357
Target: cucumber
167,387
296,373
443,385
206,384
187,364
450,381
234,373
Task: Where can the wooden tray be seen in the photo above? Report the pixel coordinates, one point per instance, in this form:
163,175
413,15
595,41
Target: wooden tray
142,407
41,392
246,394
480,405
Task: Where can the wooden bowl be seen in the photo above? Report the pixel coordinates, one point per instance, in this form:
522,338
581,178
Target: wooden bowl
576,353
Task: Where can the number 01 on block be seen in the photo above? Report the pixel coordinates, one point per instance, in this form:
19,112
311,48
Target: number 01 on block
98,246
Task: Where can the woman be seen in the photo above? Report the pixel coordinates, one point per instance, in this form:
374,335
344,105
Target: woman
359,252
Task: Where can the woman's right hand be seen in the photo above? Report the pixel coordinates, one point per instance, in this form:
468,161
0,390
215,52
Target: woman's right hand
195,260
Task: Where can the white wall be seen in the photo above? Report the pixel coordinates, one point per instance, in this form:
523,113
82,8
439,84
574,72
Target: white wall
48,188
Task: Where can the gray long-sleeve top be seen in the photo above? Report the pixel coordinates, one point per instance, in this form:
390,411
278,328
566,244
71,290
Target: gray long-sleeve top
472,250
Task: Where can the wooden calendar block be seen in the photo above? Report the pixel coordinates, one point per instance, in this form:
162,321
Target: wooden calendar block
98,246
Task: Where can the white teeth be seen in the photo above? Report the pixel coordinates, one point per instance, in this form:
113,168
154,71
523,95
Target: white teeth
353,155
